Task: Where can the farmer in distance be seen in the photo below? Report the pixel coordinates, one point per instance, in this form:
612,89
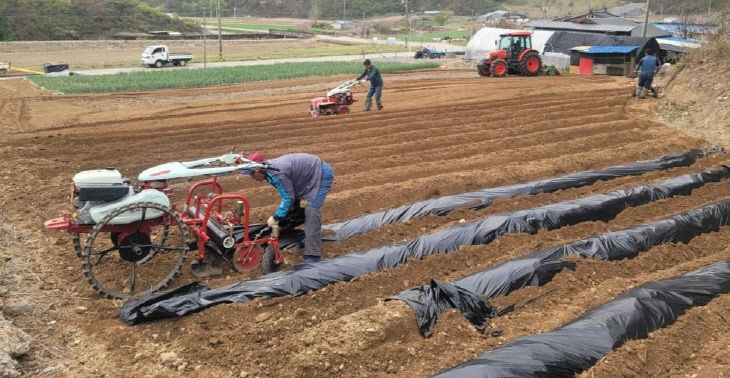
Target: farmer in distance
647,67
376,85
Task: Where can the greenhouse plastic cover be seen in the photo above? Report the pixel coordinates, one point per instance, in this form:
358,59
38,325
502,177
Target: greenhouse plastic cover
306,277
578,345
535,269
482,198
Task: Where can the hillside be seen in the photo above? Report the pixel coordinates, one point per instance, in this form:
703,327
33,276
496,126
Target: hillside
698,95
81,19
355,9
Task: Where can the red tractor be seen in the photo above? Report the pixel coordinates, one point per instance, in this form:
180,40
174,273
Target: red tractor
515,55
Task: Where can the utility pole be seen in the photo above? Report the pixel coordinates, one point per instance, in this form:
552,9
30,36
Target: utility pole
205,55
420,35
408,25
709,9
661,10
220,26
542,9
344,7
646,19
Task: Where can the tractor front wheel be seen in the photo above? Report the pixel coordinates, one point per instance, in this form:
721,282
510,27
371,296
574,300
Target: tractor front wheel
530,64
483,70
499,68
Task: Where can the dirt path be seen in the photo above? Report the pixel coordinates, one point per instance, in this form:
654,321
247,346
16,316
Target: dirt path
442,133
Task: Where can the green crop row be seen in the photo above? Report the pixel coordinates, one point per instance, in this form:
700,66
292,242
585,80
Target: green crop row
192,78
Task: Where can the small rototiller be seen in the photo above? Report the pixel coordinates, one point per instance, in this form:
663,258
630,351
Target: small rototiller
337,101
137,240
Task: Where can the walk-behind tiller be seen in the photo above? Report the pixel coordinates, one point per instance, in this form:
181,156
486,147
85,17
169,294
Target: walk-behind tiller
337,101
137,240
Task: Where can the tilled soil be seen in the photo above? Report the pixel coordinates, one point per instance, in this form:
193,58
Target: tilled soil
440,134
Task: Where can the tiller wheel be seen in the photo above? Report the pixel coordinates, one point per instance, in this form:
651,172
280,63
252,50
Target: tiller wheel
246,258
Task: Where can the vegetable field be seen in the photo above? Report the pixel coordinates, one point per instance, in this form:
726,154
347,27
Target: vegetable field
192,78
473,221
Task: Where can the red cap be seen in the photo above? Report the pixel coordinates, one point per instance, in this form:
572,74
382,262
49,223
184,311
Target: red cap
256,157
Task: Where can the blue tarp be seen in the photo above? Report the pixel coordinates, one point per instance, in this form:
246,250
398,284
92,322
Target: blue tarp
681,40
610,49
690,28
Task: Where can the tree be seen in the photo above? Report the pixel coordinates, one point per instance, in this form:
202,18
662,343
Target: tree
442,18
6,32
314,9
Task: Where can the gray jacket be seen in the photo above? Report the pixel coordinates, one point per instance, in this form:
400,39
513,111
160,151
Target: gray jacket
298,177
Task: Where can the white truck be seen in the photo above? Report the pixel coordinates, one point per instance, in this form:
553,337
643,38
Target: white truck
159,55
4,67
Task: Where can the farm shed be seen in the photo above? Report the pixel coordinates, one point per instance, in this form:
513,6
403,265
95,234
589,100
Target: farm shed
686,30
675,47
606,60
609,26
565,42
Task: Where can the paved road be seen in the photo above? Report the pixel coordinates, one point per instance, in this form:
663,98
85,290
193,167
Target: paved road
396,56
401,57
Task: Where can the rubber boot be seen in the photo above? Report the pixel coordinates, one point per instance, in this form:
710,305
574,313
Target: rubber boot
642,93
379,104
368,104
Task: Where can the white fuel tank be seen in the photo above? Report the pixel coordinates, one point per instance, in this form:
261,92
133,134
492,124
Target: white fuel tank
97,177
147,195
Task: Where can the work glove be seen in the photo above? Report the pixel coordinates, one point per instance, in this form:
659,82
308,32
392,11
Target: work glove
273,221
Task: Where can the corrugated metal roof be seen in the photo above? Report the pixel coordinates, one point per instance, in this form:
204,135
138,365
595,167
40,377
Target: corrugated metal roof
628,8
613,21
681,40
686,27
561,25
607,49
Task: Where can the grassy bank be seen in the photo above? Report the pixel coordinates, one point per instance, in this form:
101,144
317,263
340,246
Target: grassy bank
308,52
192,78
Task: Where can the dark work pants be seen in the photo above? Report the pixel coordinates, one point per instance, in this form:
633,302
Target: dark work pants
313,214
645,81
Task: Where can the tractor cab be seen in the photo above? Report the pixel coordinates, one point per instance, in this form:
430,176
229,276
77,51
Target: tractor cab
514,54
514,44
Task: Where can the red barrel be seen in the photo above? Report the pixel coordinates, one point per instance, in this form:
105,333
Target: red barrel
585,66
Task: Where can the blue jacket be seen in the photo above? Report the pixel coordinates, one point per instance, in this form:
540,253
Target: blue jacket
648,65
298,177
373,76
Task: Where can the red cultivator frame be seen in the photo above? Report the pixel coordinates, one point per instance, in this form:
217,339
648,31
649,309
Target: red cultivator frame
228,231
137,241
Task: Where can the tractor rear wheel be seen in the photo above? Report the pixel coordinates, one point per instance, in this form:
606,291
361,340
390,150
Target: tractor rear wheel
499,68
530,64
